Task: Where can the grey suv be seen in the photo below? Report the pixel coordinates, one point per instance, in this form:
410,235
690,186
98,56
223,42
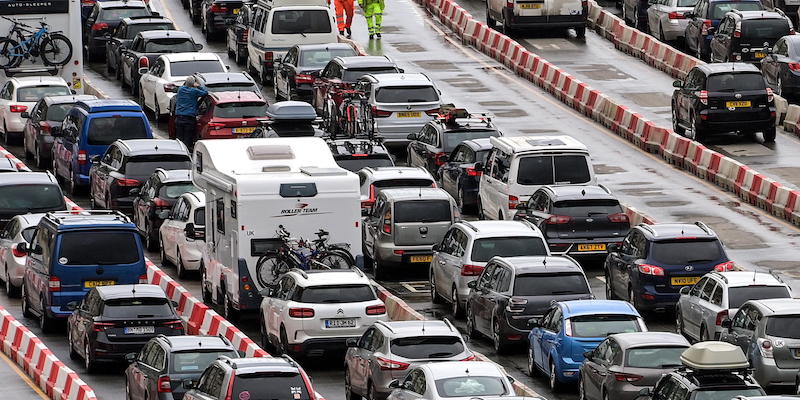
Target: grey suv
388,350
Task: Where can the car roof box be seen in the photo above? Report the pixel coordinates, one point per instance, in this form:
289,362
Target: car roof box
295,110
714,355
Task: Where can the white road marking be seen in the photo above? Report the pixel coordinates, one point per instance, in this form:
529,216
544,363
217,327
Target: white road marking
601,278
416,286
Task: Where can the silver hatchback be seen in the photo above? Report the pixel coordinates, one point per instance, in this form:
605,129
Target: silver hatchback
19,230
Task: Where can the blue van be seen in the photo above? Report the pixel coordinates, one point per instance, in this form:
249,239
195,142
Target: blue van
87,131
71,253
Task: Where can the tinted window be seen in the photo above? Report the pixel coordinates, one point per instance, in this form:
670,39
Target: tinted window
175,190
31,198
300,21
105,130
352,75
718,10
686,251
57,112
395,183
356,163
146,165
269,385
334,294
765,28
485,249
118,14
469,386
108,248
603,325
196,361
27,233
422,211
735,82
136,28
785,326
185,68
174,45
141,307
422,347
726,394
539,170
200,216
586,208
550,284
408,94
317,59
571,169
232,87
739,295
453,138
240,110
35,93
654,357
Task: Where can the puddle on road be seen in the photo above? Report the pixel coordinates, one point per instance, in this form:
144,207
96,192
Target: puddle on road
745,150
643,192
553,44
603,169
467,82
733,235
791,268
649,99
437,65
667,203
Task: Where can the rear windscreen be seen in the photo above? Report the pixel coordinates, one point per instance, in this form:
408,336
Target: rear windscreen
352,74
136,28
422,211
241,110
185,68
118,14
767,29
718,9
586,208
422,347
175,190
399,183
269,386
232,87
107,248
288,22
146,165
406,94
174,45
785,326
334,294
454,138
654,357
138,307
357,163
550,284
31,198
735,82
318,58
105,130
187,362
738,295
686,251
549,170
600,326
35,93
57,112
484,249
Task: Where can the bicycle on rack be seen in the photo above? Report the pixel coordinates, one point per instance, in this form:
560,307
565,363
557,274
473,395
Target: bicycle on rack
54,48
299,253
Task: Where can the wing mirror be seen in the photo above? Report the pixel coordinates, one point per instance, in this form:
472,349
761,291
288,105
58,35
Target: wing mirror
25,115
71,306
134,191
726,323
22,247
198,46
56,131
435,247
35,250
352,342
187,384
444,158
95,159
189,231
395,384
685,290
412,136
478,167
163,214
472,284
130,357
645,393
535,322
522,206
142,71
588,355
689,15
612,248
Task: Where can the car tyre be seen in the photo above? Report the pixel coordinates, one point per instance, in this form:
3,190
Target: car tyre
490,22
26,307
180,268
704,334
162,252
207,297
769,135
455,306
88,359
675,123
157,110
609,289
46,324
679,325
38,159
283,344
581,390
553,381
348,388
378,269
371,391
632,298
500,345
149,241
73,355
531,367
661,33
11,290
28,154
72,186
238,56
580,32
231,314
471,331
435,297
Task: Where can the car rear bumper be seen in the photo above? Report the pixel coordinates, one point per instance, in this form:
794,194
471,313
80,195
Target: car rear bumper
717,123
674,29
402,254
767,373
544,21
573,247
320,346
15,124
649,299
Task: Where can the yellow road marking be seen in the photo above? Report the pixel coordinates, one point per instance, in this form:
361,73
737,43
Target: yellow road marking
24,377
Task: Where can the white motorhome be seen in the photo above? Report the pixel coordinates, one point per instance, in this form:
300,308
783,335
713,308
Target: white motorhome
253,186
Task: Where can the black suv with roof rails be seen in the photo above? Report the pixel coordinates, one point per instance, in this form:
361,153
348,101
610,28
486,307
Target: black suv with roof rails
724,97
122,36
748,36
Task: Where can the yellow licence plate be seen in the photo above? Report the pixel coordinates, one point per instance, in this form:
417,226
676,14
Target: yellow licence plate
735,104
592,247
91,284
409,114
683,281
235,10
528,6
421,259
759,54
244,130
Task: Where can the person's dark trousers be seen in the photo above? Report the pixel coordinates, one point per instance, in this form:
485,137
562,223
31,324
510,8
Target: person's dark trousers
186,130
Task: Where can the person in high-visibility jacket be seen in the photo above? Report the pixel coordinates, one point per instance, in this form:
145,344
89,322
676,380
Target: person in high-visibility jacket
373,9
344,7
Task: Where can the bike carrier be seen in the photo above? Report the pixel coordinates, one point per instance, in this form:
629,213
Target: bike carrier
31,71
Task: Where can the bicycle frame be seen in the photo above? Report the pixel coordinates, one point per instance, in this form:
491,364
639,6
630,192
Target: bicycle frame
27,44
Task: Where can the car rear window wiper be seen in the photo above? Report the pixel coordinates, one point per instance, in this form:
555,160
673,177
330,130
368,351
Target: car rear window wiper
440,355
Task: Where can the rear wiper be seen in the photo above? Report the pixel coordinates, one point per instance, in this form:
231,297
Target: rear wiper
590,213
439,355
694,261
563,292
145,316
669,365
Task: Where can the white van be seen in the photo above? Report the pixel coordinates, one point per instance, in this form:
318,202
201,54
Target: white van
518,166
277,25
253,186
537,14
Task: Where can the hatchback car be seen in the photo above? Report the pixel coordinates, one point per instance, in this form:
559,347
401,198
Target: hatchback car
19,230
748,36
112,321
18,95
216,15
157,195
103,19
388,350
666,19
29,192
655,261
468,246
293,79
48,113
458,174
182,233
122,36
340,74
454,380
236,33
704,19
357,154
145,49
228,115
781,67
375,179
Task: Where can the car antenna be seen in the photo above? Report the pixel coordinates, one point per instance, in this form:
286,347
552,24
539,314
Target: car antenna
754,277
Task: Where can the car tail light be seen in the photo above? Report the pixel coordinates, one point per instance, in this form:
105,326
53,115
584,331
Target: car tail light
391,365
169,87
216,8
301,312
558,219
676,15
470,358
770,95
433,112
87,2
648,269
245,35
765,346
439,159
516,304
399,252
45,127
161,203
143,279
618,217
471,270
127,182
794,66
513,202
376,112
620,377
387,222
54,284
703,96
726,266
371,200
102,326
268,57
144,62
376,310
177,324
16,253
510,3
303,78
99,26
18,108
584,4
720,317
707,27
82,157
216,125
312,394
737,33
164,384
471,171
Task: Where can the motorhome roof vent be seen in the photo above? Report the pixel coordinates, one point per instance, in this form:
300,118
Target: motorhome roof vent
270,152
276,168
546,142
315,171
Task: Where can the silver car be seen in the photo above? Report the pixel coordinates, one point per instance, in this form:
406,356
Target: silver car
666,20
768,331
625,363
454,380
388,350
19,230
718,295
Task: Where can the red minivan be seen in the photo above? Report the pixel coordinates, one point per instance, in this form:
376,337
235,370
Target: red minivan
227,115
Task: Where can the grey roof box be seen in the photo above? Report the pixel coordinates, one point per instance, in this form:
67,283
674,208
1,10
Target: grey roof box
714,355
291,110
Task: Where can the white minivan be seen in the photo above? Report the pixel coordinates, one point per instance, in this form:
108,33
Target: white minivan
537,14
518,166
277,25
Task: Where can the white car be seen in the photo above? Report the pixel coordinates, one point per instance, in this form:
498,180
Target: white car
182,232
19,230
666,20
453,380
19,95
310,313
159,83
373,179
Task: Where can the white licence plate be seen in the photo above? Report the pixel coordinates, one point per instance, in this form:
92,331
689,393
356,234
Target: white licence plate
139,330
340,323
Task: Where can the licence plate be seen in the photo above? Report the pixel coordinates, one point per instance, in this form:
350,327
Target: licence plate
340,323
683,281
421,259
91,284
529,6
235,10
592,247
139,330
244,130
735,104
759,54
409,114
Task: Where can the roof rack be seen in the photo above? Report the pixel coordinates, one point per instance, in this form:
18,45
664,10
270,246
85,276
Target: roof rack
469,225
450,115
530,224
357,271
776,276
723,277
290,360
30,71
60,216
228,361
450,325
225,340
647,228
385,325
704,227
604,188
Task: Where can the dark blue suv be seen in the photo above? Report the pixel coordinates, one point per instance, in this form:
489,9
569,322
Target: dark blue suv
87,131
655,261
704,20
71,253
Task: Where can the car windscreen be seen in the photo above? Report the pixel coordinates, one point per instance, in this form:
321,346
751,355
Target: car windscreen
250,109
57,112
735,82
723,394
421,211
784,326
23,199
35,93
423,347
738,295
319,58
232,87
765,29
138,307
108,248
185,68
484,249
553,284
105,130
269,385
454,138
549,170
28,233
193,361
601,325
406,94
471,386
357,163
146,165
175,190
134,29
172,45
586,208
118,14
654,357
200,216
719,9
288,22
332,294
352,74
686,251
399,183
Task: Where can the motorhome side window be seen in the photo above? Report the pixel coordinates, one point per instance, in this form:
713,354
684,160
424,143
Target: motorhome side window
220,215
198,162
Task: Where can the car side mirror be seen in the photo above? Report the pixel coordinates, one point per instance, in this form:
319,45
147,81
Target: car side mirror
472,284
588,355
412,136
122,48
163,214
511,379
187,384
174,303
189,231
352,342
689,15
444,158
134,192
198,46
35,250
22,247
227,67
95,160
25,115
56,131
402,71
535,322
478,167
435,247
71,306
612,248
143,71
645,393
677,84
316,74
726,323
685,290
395,384
522,206
130,357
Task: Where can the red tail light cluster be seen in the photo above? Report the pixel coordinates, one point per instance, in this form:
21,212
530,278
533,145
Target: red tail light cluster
216,8
54,284
376,310
720,317
143,279
471,171
378,113
164,384
99,26
676,15
471,270
301,312
82,157
439,159
169,87
648,269
707,27
737,33
18,108
87,2
703,97
303,79
177,324
102,326
726,266
433,113
127,182
558,220
144,62
387,222
513,202
770,95
620,377
45,127
391,365
619,217
268,57
160,203
470,358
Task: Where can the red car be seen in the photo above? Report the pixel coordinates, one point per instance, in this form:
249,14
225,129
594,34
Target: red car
340,74
227,115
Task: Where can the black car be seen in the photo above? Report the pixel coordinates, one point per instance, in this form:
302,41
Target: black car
155,198
576,220
512,290
216,15
355,154
29,192
458,174
236,34
127,164
748,36
48,113
122,37
781,67
705,18
112,321
165,362
723,97
145,49
104,18
293,79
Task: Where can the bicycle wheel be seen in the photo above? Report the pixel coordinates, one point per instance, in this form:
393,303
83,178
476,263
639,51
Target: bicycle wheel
268,268
336,259
10,55
56,49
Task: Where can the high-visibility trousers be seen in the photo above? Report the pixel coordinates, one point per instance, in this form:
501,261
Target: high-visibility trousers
374,14
344,7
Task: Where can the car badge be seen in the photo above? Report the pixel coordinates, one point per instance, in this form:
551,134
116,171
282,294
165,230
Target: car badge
340,311
244,123
766,44
738,95
423,229
688,268
589,219
408,107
